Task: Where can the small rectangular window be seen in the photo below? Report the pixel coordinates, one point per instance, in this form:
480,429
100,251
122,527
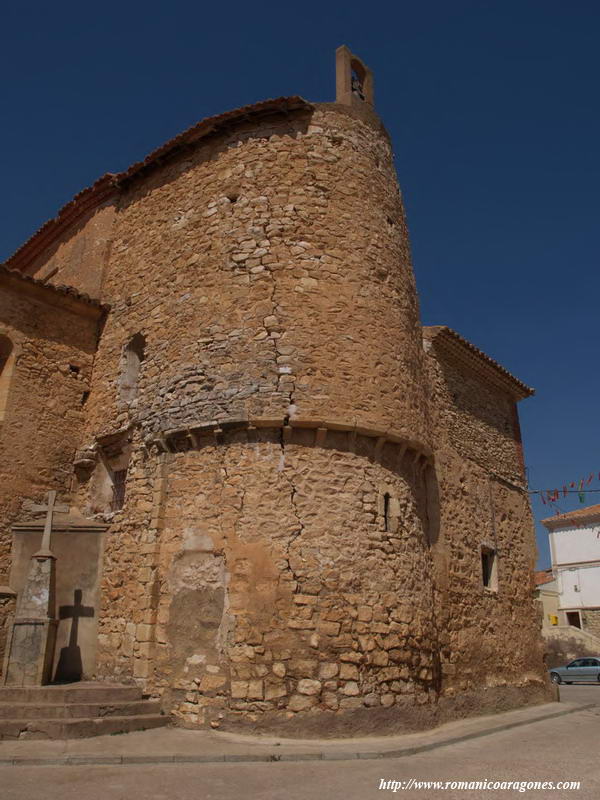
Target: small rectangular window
489,568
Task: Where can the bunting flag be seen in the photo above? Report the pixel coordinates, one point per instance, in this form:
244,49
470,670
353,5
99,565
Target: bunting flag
551,496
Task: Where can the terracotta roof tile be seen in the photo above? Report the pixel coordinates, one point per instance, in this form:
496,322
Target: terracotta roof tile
542,577
576,517
56,289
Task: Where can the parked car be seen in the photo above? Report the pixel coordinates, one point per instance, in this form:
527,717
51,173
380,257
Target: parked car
582,669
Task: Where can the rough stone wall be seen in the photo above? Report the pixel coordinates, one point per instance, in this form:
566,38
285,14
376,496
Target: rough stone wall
493,634
43,420
79,255
264,269
269,273
477,418
281,413
271,585
592,620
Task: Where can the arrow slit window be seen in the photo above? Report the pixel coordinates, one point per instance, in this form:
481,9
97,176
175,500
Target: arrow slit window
489,568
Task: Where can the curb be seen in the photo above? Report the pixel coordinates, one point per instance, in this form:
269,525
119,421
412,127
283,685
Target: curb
74,760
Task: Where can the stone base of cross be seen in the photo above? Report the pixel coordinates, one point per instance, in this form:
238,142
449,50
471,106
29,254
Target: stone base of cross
32,638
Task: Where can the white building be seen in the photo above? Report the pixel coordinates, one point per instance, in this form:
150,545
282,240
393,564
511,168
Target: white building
575,552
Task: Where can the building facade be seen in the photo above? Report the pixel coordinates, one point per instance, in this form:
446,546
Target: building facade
284,499
547,596
575,552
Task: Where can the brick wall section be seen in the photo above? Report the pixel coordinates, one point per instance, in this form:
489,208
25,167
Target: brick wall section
44,419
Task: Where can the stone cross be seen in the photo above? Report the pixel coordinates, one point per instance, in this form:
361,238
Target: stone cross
29,653
49,508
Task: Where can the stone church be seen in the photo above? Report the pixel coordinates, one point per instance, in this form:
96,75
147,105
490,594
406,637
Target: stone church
237,473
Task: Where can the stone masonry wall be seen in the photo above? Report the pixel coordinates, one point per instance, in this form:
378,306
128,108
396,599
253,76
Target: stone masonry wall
494,633
289,546
269,273
44,417
78,257
592,621
477,418
271,585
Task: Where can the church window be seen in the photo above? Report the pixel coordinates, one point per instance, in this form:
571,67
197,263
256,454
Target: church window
119,478
133,356
6,364
109,480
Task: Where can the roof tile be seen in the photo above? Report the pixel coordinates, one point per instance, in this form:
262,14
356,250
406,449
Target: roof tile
449,336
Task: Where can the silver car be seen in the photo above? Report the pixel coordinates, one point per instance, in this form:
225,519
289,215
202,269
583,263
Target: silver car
582,669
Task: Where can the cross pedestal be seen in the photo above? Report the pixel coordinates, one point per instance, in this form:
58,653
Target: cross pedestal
30,647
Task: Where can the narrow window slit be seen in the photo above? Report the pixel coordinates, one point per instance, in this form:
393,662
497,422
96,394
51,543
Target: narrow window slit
386,511
489,568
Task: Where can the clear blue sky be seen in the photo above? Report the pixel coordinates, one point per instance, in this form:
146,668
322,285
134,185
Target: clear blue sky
493,110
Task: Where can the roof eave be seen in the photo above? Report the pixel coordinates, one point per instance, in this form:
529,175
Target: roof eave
65,296
469,354
111,184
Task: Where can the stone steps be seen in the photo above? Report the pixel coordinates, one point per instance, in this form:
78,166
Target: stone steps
77,728
27,711
70,693
75,710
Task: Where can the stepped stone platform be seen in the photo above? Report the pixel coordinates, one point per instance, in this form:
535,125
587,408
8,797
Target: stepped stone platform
75,710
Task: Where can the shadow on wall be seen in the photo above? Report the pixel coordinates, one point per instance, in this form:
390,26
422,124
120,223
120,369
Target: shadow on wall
70,665
432,505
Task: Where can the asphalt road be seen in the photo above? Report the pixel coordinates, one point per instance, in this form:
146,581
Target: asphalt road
561,749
